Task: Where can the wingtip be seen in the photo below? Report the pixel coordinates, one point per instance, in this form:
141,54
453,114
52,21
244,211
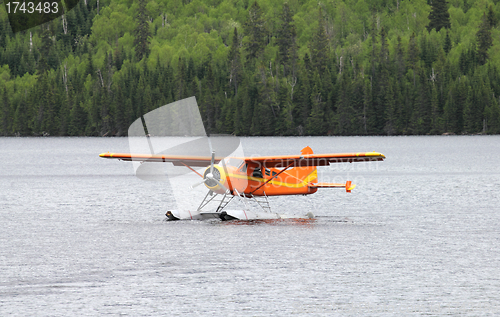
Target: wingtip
376,154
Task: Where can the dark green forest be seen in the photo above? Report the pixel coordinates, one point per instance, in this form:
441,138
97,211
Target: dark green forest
265,67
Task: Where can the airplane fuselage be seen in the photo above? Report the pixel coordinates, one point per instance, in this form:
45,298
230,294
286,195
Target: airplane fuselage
256,181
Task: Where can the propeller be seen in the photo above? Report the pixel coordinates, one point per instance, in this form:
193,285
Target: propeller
210,175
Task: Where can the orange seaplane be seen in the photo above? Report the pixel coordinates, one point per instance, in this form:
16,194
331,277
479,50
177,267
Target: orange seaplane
251,179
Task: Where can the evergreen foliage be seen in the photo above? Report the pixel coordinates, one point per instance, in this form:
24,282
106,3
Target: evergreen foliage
484,40
142,31
439,16
257,67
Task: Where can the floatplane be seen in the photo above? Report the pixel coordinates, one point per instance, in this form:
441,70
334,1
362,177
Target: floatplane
175,134
254,178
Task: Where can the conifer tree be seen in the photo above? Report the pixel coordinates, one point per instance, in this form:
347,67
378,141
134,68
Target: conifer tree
439,17
484,40
384,106
3,37
447,43
78,120
493,118
208,102
20,123
234,60
316,121
343,105
287,41
455,104
319,46
256,30
435,115
468,60
180,80
43,63
492,17
142,33
284,122
302,104
90,64
5,114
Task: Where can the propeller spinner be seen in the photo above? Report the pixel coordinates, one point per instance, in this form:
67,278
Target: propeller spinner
212,177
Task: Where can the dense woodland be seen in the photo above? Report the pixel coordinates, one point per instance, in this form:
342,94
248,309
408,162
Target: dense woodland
264,67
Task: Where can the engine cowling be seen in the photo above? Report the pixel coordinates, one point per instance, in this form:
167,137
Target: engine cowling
219,175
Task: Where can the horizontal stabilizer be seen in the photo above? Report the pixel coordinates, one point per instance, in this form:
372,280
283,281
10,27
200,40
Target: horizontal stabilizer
348,186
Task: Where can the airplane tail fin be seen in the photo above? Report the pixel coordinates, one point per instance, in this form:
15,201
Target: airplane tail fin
308,174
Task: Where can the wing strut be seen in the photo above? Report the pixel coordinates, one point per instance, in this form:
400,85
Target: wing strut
192,169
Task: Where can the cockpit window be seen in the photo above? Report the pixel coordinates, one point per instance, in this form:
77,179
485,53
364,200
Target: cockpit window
244,168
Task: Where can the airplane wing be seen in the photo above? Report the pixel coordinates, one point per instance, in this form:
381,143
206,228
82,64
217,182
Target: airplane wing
313,159
264,161
177,160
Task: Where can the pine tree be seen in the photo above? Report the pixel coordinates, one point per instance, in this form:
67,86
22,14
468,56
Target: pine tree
180,79
319,46
78,120
384,107
234,60
468,60
477,100
343,105
3,36
484,40
439,16
447,43
20,123
106,118
302,99
208,102
492,17
264,113
455,104
316,121
390,112
284,123
435,115
248,104
287,41
43,63
255,28
493,118
142,33
5,115
90,64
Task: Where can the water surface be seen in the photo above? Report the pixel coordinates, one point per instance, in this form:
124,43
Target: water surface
419,235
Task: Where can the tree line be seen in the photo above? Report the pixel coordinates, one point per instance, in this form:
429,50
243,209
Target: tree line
257,67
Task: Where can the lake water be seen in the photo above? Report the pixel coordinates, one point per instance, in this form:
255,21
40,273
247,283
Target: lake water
420,235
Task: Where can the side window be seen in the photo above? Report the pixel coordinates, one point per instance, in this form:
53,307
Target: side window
268,172
257,172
